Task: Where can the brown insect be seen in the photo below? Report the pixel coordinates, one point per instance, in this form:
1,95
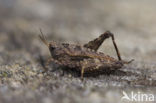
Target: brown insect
84,59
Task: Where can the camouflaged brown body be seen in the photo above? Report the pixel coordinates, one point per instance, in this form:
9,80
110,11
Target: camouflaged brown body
74,56
85,58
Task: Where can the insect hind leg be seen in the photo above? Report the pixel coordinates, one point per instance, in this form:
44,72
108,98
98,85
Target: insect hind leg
115,46
96,43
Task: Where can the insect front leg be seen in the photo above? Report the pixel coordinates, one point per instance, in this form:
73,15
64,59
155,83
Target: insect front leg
46,65
48,62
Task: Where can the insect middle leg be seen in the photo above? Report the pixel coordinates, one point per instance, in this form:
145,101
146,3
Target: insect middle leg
83,67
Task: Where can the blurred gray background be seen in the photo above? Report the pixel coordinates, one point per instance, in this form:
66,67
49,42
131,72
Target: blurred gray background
74,21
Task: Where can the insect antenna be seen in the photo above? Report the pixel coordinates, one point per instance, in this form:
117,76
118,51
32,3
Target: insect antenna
43,39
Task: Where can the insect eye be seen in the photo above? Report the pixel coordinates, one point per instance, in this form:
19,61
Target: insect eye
52,48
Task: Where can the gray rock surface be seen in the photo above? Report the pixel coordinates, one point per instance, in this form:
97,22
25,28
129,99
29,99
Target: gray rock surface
75,21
